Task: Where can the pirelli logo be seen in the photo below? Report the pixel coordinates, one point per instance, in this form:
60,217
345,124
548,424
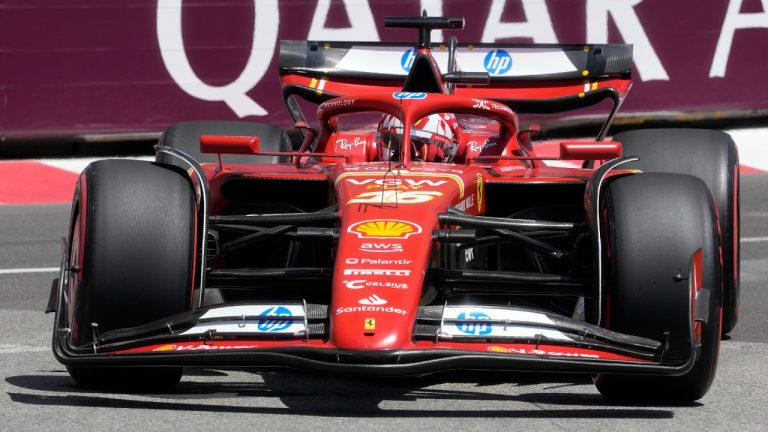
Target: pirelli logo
376,272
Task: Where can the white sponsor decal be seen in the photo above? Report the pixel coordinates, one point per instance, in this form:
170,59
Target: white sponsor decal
388,309
469,254
250,311
476,328
396,182
378,261
466,203
338,103
480,103
499,314
376,272
511,168
373,300
475,147
344,143
381,247
248,326
362,283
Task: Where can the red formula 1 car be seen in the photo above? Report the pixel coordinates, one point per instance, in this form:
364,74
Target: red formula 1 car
418,228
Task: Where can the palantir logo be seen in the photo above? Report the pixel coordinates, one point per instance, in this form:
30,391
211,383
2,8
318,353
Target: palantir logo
406,61
473,324
497,62
274,325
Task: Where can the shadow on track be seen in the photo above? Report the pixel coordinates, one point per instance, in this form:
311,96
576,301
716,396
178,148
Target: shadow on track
344,396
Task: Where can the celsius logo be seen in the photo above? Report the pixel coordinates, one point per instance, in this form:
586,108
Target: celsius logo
473,323
406,61
274,325
497,62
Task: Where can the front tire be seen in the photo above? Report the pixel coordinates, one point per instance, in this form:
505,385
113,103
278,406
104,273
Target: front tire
132,238
661,235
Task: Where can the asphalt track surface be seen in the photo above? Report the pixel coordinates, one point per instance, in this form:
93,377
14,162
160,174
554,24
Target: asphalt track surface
37,394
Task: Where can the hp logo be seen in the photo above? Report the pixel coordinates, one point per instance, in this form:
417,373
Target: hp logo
406,61
409,95
274,325
474,328
497,62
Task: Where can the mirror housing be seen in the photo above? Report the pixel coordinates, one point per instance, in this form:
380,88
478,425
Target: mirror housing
590,150
223,144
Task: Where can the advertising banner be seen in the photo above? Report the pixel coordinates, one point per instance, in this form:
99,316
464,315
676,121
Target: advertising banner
106,66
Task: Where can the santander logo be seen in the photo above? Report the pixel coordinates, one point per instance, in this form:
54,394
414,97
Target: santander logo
373,300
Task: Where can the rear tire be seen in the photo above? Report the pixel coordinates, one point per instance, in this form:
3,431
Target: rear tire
133,238
655,225
710,155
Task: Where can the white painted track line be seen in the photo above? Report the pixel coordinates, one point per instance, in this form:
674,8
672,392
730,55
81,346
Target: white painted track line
29,270
754,239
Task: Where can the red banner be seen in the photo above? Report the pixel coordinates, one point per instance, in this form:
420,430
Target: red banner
92,66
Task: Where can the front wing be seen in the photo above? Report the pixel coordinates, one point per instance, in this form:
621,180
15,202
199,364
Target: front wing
445,338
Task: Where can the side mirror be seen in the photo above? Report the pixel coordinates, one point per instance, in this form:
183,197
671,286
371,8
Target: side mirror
589,150
223,144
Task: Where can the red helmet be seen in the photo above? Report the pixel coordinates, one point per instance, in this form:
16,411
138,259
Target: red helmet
433,138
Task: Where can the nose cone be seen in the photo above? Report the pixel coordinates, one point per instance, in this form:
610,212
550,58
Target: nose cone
377,282
385,244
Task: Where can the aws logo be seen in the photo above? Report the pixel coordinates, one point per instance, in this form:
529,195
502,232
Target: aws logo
384,228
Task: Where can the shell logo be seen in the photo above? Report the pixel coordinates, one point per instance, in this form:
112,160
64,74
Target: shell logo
165,348
384,228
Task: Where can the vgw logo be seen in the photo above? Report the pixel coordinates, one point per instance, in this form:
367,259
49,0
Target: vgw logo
406,61
274,325
474,328
497,62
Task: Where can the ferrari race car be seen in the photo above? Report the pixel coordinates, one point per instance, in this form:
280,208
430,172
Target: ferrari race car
416,225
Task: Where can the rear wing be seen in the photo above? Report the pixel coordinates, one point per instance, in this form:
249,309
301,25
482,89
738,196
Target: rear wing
530,78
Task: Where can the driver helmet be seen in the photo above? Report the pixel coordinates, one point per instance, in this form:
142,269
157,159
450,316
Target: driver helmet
433,138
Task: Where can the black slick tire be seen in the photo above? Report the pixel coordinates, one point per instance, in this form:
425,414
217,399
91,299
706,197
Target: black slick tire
132,237
712,156
656,224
